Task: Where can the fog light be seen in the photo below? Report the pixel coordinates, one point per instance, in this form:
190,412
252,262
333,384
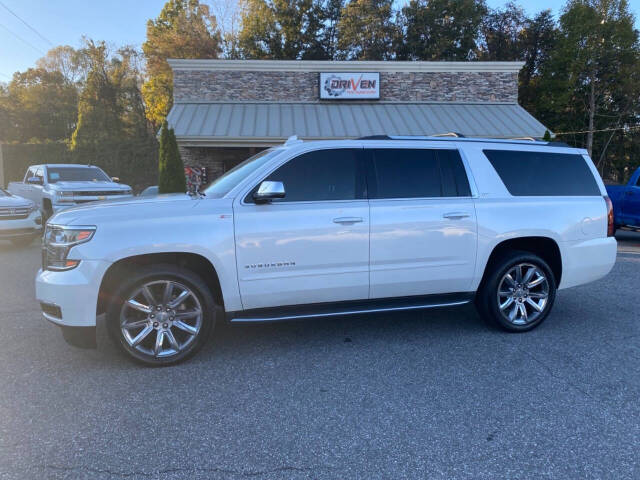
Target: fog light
51,310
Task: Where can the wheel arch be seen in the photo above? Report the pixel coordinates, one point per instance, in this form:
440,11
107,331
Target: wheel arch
544,247
192,261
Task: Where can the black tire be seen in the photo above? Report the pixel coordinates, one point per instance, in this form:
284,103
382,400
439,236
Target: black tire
154,276
487,299
47,211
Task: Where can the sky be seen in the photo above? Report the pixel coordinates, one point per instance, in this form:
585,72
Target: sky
119,22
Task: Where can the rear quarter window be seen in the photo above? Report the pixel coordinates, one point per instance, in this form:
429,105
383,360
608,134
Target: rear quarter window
543,173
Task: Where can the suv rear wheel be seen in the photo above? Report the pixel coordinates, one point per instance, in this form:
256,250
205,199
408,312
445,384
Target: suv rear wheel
161,314
518,293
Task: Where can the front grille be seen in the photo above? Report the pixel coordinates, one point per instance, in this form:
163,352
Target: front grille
98,194
18,213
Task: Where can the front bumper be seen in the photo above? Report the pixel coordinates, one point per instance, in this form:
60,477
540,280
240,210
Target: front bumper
73,292
24,227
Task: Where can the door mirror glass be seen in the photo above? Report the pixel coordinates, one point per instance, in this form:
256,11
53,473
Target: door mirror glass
269,190
115,179
34,180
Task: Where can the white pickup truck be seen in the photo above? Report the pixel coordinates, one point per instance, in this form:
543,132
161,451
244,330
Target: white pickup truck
312,229
56,187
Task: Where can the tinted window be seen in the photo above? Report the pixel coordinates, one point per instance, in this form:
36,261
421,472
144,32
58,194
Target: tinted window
76,174
406,173
319,176
542,173
418,173
453,172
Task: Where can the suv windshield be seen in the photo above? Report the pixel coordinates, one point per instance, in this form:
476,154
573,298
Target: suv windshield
224,184
76,174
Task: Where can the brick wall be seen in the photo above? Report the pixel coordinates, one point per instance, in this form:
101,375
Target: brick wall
234,86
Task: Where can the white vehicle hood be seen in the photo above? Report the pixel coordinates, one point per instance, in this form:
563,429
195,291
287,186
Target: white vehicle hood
138,209
88,186
14,202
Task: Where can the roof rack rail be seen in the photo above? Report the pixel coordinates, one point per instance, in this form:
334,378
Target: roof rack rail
448,134
375,137
453,137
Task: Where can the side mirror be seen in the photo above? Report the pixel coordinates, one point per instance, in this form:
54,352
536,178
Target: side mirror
267,191
34,180
115,179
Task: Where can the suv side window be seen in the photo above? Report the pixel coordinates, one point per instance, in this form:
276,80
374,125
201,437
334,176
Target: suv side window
31,172
418,173
40,174
321,175
531,173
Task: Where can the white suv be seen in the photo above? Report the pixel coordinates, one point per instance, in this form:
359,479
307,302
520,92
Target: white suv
324,228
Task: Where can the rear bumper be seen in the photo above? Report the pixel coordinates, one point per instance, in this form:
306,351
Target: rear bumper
73,292
587,261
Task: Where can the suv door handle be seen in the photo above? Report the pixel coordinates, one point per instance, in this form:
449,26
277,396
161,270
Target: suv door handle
347,220
456,215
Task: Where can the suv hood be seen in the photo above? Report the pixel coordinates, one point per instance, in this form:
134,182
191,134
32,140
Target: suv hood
140,209
14,202
89,186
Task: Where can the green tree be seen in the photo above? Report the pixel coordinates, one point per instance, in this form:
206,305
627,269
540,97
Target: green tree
184,29
439,29
366,30
592,80
282,29
66,60
171,178
39,106
537,42
502,33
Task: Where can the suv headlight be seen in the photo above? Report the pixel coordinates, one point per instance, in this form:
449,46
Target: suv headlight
58,241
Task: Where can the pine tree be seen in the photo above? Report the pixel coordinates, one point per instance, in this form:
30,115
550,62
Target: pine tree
171,169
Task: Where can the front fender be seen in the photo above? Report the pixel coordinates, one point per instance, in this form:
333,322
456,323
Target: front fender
203,231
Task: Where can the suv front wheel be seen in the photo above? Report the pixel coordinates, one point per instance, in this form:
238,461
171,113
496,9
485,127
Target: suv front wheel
161,314
518,293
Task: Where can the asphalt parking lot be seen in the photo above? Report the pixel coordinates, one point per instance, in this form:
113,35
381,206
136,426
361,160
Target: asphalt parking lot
415,395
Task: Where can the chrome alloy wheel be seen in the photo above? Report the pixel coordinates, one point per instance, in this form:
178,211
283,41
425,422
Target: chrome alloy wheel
523,293
161,319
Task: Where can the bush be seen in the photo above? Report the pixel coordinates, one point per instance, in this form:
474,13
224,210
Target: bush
171,169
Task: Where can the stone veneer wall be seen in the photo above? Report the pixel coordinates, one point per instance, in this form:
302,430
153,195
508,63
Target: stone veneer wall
234,86
217,160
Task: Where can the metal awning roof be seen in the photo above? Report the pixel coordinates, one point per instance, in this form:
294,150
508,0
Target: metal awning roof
262,124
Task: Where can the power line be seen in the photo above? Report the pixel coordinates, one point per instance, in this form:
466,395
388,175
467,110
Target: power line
22,39
630,127
28,26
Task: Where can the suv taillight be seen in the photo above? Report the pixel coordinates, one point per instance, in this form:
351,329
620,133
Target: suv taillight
610,225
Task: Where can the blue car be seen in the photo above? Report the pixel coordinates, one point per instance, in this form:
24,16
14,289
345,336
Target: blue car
626,202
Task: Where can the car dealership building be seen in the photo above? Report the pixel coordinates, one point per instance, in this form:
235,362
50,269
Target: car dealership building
226,110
